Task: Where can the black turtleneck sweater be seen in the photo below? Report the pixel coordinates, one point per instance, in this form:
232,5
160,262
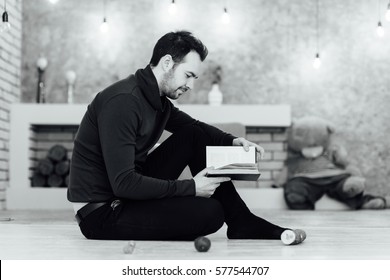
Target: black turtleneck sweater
121,125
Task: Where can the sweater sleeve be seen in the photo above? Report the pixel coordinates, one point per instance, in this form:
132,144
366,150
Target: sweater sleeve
179,119
118,122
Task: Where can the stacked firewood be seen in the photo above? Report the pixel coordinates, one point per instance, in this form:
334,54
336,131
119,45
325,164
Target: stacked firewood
53,170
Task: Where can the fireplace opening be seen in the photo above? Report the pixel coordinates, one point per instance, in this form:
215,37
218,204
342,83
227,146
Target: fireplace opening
50,152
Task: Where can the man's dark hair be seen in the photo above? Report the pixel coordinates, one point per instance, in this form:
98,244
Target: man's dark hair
178,45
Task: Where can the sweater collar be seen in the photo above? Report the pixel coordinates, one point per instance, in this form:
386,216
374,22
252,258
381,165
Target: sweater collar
149,87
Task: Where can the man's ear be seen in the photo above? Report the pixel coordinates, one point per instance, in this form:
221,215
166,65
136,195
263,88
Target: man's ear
167,62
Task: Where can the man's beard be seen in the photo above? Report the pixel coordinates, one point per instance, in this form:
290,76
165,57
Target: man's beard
166,89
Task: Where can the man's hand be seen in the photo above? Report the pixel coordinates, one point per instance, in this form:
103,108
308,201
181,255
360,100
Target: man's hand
205,186
246,144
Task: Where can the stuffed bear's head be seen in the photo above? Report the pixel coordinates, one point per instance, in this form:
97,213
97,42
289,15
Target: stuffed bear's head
309,136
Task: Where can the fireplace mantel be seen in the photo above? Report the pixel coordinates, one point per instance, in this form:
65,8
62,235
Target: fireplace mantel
248,115
21,196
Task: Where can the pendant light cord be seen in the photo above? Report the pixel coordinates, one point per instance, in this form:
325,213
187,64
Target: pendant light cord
317,25
104,8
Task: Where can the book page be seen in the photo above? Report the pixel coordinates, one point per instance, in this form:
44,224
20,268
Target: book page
239,166
219,156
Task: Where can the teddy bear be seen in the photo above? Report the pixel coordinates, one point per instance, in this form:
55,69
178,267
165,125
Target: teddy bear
317,165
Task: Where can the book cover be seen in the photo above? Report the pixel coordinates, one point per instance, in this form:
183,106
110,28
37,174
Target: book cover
233,162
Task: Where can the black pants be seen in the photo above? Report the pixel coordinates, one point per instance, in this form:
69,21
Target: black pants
177,218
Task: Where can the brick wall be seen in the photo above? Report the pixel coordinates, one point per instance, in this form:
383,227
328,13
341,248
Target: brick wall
351,89
10,67
273,140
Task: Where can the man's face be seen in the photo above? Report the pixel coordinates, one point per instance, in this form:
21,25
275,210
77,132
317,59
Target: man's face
180,78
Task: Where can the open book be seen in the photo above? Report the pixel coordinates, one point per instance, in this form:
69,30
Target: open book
233,162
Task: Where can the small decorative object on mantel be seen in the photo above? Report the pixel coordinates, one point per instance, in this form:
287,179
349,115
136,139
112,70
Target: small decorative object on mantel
41,66
70,79
215,96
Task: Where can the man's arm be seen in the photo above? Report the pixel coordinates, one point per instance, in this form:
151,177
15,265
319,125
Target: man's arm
179,119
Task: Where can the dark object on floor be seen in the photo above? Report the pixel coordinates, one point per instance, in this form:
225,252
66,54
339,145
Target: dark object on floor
202,244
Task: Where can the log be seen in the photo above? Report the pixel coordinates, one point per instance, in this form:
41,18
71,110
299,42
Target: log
62,168
45,166
38,180
54,180
57,153
66,181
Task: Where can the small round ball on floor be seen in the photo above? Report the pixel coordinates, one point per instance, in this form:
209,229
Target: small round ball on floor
202,244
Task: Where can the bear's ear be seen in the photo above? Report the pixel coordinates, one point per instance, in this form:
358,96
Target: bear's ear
331,128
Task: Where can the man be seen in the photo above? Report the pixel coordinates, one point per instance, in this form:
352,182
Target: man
121,191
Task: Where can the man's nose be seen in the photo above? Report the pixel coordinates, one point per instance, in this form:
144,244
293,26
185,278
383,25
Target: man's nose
190,83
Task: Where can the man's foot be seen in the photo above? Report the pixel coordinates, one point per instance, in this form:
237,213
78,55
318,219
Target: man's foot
253,227
293,236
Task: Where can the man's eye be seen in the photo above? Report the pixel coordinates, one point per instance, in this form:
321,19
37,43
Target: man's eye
188,76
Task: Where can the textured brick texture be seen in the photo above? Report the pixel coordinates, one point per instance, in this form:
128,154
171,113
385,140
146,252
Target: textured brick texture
265,53
274,143
10,65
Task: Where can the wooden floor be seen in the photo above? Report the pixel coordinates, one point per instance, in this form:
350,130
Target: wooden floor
334,235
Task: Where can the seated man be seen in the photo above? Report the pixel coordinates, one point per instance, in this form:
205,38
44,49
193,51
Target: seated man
120,191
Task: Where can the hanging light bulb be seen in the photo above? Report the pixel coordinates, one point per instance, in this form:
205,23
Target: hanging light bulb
388,13
53,1
104,26
225,16
379,30
317,61
172,8
5,25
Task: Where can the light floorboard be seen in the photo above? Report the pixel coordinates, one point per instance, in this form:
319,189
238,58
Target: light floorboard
335,235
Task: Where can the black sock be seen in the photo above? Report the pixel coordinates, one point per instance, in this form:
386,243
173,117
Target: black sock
254,227
242,224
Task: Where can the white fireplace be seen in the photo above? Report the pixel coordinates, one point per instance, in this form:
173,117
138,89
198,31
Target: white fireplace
20,194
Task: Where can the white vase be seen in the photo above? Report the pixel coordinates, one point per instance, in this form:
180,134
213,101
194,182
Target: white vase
215,96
